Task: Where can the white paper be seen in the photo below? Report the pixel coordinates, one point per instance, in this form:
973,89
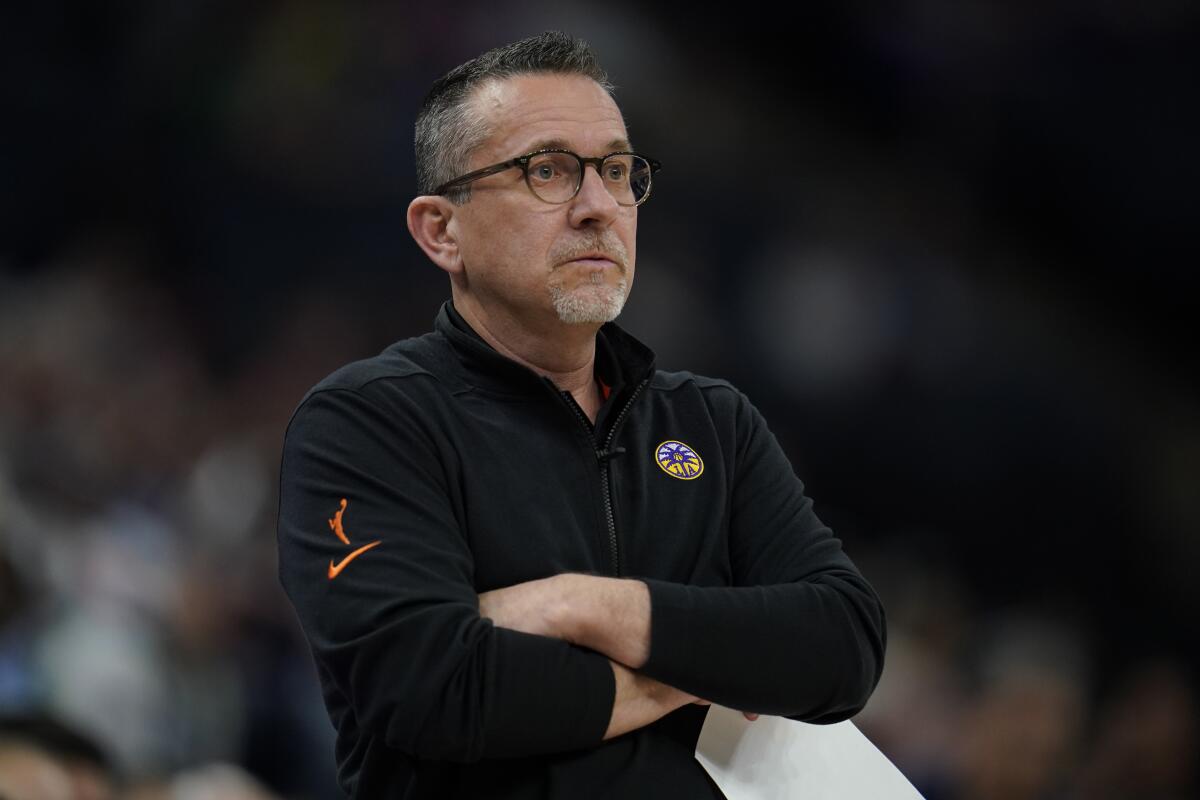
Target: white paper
778,759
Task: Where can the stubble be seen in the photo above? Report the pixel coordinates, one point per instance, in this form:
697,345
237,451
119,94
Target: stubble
595,299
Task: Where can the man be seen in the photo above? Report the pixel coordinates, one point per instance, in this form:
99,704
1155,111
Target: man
525,559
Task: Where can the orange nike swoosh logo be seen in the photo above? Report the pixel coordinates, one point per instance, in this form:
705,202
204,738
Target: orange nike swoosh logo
336,569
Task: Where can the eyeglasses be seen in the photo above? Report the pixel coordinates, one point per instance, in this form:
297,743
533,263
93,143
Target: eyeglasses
554,176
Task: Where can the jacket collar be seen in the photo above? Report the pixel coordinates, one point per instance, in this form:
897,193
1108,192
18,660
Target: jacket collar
622,361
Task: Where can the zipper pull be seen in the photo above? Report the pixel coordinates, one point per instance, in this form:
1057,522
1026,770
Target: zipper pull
604,455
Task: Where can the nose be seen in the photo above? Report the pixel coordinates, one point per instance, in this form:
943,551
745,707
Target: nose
593,204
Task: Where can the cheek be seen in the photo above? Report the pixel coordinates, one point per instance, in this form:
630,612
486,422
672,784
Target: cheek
500,243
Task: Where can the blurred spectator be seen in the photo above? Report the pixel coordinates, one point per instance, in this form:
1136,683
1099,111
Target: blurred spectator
209,782
27,773
1145,740
1021,740
88,771
917,713
17,629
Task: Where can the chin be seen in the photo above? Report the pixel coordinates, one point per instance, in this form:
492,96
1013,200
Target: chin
589,304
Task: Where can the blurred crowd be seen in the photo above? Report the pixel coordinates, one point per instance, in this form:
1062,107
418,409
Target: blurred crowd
139,601
908,239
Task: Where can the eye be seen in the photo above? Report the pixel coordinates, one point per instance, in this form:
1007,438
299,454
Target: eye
552,168
615,171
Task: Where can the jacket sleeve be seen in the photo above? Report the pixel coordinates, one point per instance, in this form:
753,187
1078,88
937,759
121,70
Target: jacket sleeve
801,633
404,652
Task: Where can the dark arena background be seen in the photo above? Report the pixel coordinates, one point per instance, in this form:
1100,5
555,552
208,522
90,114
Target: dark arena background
948,248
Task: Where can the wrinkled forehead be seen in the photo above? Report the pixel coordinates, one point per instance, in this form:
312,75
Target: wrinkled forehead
533,112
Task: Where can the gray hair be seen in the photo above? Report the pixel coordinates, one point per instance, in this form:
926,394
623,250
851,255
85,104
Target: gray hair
449,126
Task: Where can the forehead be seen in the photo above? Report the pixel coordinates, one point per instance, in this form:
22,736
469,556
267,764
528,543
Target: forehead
529,112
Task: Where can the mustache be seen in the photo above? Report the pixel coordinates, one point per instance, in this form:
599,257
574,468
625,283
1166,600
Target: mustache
608,246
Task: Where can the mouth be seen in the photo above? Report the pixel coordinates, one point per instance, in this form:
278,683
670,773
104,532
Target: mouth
598,260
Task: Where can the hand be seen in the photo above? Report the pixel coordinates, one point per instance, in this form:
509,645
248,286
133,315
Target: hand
536,607
641,700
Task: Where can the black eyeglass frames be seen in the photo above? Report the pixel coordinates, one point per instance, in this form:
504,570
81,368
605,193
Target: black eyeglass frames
554,176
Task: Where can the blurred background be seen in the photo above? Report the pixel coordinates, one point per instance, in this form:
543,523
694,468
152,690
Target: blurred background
946,247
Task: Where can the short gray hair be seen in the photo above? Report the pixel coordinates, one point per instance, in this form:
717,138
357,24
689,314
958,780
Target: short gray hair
449,128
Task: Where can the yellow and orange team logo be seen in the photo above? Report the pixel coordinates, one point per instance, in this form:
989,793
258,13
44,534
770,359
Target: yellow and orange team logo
679,461
335,525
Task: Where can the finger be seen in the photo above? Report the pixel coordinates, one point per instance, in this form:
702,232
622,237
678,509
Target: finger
750,715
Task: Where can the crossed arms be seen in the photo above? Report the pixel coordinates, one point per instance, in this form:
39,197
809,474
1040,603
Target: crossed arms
409,652
607,615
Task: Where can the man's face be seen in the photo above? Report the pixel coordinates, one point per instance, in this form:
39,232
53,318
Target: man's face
528,259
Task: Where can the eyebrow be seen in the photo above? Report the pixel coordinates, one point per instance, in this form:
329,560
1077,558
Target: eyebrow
562,144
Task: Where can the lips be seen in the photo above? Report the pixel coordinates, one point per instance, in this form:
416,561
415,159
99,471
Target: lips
594,259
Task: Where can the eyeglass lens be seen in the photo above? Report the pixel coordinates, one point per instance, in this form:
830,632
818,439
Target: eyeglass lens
555,177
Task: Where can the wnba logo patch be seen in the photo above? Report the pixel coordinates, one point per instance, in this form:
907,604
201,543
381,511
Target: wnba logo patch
678,460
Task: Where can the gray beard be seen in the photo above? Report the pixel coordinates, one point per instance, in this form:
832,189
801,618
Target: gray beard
595,302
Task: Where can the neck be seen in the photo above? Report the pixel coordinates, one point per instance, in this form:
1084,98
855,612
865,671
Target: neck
566,354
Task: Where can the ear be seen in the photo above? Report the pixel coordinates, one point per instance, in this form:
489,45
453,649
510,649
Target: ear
429,222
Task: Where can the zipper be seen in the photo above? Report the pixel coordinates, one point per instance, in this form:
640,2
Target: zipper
605,477
603,455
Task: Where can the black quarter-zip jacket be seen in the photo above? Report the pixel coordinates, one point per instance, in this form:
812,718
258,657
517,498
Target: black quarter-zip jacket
462,471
